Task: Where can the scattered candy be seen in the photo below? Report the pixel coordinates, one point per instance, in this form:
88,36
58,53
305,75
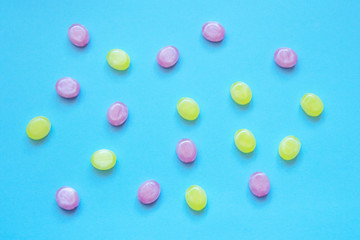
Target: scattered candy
168,56
67,198
312,105
259,184
38,128
289,147
213,31
103,159
241,93
148,192
285,57
186,150
188,108
196,197
117,113
67,87
245,141
118,59
78,35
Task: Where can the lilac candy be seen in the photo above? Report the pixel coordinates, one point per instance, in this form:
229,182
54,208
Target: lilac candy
78,35
168,56
285,57
186,150
67,87
67,198
117,113
148,192
213,31
259,184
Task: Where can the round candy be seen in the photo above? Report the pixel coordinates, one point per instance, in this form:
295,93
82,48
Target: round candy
213,31
78,35
117,113
118,59
196,197
259,184
240,93
312,105
148,192
245,141
285,57
38,128
289,147
67,198
103,159
168,56
186,150
188,108
67,87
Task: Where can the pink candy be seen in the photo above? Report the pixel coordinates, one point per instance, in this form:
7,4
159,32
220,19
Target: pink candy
168,56
117,113
67,198
186,150
213,31
285,57
148,192
259,184
67,87
78,35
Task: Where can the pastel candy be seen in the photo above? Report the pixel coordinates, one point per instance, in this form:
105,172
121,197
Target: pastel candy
289,147
186,150
148,192
67,87
213,31
78,35
103,159
117,113
38,128
312,105
118,59
168,56
285,57
259,184
241,93
67,198
196,198
188,108
245,141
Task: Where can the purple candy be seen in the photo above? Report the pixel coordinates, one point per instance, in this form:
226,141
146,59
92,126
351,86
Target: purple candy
186,150
259,184
78,35
168,56
117,113
213,31
285,57
148,192
67,87
67,198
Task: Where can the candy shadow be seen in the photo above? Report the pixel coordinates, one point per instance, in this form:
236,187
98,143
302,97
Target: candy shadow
213,45
258,201
289,162
309,118
117,128
242,107
78,49
37,142
191,212
187,122
164,71
285,70
67,212
119,72
67,101
245,155
103,173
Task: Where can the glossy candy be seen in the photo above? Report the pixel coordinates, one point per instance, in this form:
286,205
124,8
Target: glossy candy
117,113
67,198
168,56
241,93
289,147
103,159
196,197
213,31
312,105
38,128
188,108
78,35
148,192
67,87
118,59
285,57
186,150
259,184
245,141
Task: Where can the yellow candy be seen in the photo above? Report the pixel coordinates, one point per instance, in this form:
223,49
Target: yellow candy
245,141
188,108
289,147
103,159
241,93
118,59
38,128
312,105
196,197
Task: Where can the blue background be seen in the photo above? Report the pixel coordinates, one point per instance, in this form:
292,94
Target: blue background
315,196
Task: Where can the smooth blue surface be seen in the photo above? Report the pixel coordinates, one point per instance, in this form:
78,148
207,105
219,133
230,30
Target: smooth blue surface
313,197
